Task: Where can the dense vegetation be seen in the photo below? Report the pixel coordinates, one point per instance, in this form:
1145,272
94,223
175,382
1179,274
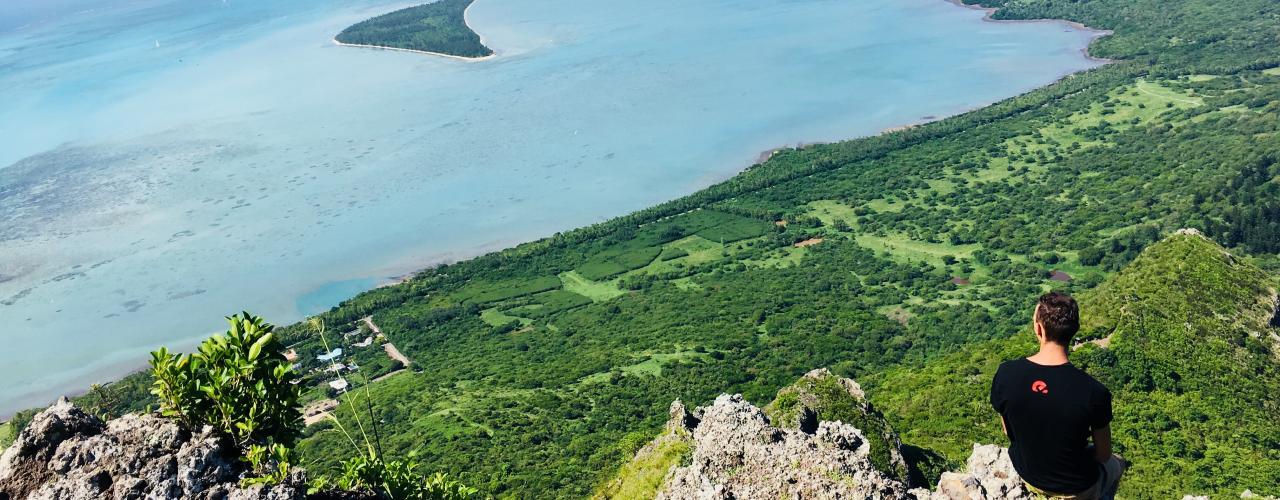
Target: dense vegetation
1191,361
539,369
439,27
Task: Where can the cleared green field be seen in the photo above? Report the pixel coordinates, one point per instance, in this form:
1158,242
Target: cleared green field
1272,71
1124,107
481,293
598,291
713,225
784,257
650,366
496,317
904,249
614,262
653,365
548,303
739,228
830,211
670,253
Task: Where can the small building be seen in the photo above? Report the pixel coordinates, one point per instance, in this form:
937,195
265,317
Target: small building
339,385
337,368
368,341
331,355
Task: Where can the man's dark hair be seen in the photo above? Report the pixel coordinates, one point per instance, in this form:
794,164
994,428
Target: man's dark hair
1060,316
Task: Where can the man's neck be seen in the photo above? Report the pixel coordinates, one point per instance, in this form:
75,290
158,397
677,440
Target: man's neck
1050,354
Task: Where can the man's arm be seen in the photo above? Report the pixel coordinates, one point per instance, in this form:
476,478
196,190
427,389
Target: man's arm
1102,444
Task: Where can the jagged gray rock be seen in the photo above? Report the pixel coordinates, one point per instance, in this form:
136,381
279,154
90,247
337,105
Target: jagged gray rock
989,474
738,454
65,453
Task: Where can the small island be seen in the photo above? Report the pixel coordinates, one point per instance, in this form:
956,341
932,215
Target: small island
437,28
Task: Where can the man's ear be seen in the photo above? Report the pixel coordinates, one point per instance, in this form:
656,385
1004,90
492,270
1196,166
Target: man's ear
1036,326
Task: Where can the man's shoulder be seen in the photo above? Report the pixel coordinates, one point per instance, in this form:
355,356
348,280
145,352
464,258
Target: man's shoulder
1011,365
1096,386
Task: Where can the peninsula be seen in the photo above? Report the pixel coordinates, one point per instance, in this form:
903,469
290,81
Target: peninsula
438,28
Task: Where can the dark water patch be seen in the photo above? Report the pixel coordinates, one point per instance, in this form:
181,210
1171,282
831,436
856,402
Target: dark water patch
67,185
13,299
67,276
185,294
133,305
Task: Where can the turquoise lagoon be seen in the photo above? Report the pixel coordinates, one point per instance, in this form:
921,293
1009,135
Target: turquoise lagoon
164,163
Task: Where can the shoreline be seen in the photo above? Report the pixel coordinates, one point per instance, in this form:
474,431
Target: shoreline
466,21
398,276
1095,33
415,51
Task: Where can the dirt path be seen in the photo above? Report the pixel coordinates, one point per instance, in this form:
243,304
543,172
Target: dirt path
318,411
392,351
387,376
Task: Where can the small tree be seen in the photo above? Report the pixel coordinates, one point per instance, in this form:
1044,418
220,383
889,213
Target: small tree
240,383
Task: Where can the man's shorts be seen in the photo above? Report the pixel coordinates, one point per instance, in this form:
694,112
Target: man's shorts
1105,488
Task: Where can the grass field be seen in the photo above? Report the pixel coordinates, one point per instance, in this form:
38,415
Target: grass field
1142,102
614,262
829,211
653,365
783,257
482,293
1272,71
669,253
496,317
904,250
553,302
598,291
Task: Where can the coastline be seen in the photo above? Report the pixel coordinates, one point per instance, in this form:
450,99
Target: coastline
1095,33
121,370
466,20
397,49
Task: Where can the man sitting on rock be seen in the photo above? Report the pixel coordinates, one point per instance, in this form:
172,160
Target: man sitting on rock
1050,410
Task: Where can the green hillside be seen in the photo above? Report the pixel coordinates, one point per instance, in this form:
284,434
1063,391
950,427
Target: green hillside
843,255
439,27
1191,362
538,370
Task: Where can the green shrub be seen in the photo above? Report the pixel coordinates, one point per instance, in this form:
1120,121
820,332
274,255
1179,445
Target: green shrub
240,383
394,479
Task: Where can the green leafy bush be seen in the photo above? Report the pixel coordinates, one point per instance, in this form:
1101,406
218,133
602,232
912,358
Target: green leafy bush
398,480
240,383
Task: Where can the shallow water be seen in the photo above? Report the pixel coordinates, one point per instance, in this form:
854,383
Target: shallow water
166,163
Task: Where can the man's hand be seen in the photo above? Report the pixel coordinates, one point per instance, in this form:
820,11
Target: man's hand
1102,444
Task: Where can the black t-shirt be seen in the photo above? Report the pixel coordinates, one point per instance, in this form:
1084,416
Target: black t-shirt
1050,412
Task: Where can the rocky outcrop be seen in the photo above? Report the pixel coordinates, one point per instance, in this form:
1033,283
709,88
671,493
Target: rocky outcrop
793,450
822,396
65,453
989,474
738,454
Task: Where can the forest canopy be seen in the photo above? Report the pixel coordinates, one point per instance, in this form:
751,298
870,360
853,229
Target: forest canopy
439,27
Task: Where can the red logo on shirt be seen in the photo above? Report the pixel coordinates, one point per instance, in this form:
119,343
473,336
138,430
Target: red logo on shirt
1040,387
